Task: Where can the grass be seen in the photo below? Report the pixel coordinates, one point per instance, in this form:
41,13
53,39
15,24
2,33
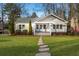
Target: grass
18,45
63,45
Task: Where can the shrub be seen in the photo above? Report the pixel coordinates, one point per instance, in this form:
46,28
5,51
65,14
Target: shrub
30,28
18,32
24,32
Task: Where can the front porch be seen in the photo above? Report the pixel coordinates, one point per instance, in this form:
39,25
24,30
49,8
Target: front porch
42,29
48,28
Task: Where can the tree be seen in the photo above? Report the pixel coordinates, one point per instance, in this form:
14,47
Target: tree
34,15
57,9
77,9
68,27
2,15
13,11
48,8
71,15
63,11
72,10
30,28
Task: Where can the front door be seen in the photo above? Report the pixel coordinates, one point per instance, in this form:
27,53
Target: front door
44,26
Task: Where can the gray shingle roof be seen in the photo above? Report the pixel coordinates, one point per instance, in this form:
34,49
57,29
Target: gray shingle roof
26,19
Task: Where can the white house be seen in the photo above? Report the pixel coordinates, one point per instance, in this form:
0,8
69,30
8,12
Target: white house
43,26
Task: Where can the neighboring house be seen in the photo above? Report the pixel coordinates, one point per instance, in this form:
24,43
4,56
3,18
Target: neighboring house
75,24
46,25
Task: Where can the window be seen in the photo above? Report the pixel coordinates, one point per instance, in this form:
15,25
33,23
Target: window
23,26
57,26
44,26
19,26
53,26
60,26
37,27
40,26
64,25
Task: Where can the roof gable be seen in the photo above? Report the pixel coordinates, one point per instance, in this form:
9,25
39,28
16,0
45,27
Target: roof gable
50,18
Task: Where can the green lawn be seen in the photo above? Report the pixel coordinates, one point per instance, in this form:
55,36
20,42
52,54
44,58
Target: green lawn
18,45
63,45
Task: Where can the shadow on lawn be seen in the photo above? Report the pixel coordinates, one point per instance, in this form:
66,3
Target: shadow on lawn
4,40
65,48
19,51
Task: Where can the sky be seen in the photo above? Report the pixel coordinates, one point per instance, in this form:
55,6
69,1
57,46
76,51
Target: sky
38,8
32,7
35,7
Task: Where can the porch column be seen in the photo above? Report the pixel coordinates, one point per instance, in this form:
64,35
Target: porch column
34,29
50,27
42,26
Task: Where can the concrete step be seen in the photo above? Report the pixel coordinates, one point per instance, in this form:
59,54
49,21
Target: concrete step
43,46
48,33
43,49
41,43
43,54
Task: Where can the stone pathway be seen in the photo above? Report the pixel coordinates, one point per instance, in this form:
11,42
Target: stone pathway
43,48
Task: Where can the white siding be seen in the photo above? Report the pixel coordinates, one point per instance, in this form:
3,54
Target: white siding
25,28
56,22
49,20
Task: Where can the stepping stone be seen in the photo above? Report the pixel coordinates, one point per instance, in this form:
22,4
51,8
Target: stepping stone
43,46
43,49
43,54
40,43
